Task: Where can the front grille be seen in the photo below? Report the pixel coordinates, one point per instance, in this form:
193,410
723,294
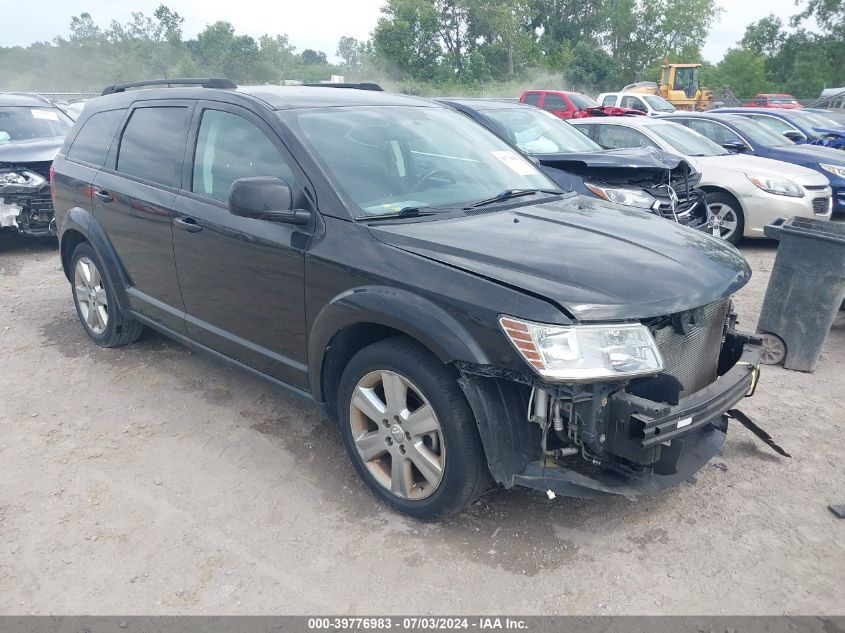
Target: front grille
693,358
821,206
815,187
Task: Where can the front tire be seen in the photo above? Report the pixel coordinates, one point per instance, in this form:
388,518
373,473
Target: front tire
93,296
724,217
409,430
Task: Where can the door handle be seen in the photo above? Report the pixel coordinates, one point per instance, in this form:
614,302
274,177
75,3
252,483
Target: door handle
105,196
188,224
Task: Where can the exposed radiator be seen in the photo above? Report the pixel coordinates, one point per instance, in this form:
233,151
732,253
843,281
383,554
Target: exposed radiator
694,358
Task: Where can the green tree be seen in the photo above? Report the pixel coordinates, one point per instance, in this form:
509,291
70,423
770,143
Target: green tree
744,71
591,68
406,41
310,57
764,36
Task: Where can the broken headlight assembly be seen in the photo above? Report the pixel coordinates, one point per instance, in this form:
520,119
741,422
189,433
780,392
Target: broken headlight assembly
585,353
21,177
629,197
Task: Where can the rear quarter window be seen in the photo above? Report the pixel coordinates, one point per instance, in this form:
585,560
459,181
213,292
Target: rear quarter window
92,143
153,144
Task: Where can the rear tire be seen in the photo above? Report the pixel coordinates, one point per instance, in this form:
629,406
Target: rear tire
94,298
409,430
725,217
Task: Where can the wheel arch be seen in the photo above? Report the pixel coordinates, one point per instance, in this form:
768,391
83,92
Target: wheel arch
80,226
361,316
715,189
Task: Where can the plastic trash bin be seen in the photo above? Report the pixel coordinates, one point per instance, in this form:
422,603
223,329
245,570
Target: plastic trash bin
805,290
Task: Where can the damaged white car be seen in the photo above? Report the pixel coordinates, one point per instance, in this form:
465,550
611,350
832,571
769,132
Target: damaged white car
31,132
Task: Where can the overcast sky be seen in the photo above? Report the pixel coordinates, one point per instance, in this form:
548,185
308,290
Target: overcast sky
316,24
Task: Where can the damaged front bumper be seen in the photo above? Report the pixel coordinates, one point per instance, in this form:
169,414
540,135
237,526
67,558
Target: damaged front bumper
642,445
26,204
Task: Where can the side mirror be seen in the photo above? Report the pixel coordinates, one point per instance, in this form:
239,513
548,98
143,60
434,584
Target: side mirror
735,147
265,198
795,136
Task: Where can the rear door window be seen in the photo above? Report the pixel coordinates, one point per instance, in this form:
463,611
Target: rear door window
92,143
714,131
229,148
153,144
609,100
635,103
532,98
619,136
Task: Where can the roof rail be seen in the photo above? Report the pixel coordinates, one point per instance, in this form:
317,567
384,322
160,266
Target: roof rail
224,84
361,86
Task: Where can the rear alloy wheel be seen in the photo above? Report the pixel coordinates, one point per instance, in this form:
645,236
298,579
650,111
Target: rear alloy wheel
95,302
91,297
724,218
409,430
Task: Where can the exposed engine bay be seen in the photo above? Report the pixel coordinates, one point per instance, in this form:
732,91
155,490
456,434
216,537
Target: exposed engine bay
25,202
668,185
629,438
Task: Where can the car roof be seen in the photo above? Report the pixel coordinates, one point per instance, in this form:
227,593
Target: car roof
749,110
23,99
629,121
686,114
273,97
485,104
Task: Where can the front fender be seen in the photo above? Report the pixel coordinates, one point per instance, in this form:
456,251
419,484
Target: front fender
81,221
395,308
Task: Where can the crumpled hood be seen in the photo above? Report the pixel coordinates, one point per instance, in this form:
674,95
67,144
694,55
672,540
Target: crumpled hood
619,165
595,261
34,151
831,131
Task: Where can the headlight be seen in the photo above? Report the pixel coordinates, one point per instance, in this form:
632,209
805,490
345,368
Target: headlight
777,186
585,353
21,177
838,170
629,197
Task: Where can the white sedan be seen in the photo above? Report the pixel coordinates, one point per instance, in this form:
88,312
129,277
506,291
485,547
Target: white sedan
744,193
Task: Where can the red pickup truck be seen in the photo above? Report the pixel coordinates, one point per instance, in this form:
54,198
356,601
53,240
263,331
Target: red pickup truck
570,105
780,101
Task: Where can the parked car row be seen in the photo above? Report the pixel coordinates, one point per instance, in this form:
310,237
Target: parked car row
469,314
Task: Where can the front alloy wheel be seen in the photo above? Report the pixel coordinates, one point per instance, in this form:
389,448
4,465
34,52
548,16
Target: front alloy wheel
397,435
724,217
409,430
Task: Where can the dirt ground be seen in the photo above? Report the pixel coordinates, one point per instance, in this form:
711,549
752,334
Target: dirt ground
153,480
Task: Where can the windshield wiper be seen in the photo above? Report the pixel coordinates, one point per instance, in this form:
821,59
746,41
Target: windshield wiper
404,212
510,194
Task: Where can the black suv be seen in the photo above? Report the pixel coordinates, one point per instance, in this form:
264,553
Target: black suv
463,320
31,132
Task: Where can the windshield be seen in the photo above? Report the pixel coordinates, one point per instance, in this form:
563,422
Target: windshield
582,101
759,133
538,132
686,141
25,124
390,158
659,103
